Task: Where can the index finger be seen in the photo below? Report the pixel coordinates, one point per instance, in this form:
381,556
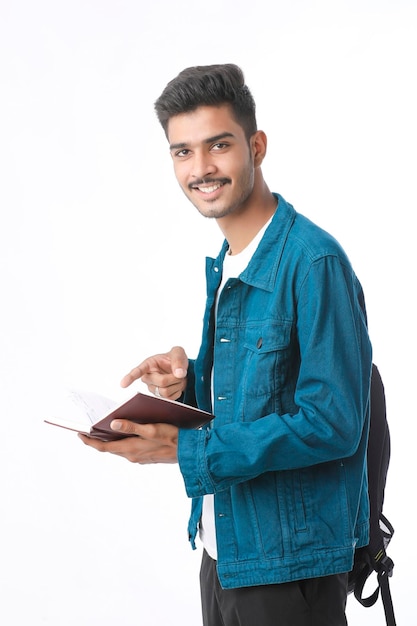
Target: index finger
134,374
159,364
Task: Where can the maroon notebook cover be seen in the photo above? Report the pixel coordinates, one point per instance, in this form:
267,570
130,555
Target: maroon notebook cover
143,409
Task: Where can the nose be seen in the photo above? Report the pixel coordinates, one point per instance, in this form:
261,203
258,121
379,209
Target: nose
203,165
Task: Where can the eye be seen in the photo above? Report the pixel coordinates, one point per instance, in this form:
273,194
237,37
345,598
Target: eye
219,146
184,152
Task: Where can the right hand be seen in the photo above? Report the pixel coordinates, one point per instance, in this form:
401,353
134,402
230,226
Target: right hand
167,372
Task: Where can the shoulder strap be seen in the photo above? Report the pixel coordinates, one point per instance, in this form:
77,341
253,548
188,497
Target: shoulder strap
383,580
381,529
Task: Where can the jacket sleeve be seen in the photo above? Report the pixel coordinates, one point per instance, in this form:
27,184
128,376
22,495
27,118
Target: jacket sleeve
331,395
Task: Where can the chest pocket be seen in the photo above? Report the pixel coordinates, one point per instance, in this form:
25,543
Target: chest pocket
267,356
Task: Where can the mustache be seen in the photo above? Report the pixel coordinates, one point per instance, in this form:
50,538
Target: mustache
208,181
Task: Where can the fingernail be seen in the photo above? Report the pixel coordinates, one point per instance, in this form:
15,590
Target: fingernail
116,425
180,373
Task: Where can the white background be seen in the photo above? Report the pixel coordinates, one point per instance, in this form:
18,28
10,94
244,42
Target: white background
102,263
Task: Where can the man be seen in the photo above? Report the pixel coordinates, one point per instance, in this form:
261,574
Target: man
278,480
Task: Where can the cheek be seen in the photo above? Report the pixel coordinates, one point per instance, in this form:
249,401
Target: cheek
181,174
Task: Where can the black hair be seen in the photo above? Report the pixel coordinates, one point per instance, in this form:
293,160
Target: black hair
208,85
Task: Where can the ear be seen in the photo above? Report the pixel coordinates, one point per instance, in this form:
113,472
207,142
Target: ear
258,143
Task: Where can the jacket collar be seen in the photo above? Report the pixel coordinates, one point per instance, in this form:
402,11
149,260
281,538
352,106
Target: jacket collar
263,267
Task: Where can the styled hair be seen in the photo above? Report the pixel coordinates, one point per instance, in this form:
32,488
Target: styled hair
208,85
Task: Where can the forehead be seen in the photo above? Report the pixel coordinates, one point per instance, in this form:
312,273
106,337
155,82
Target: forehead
201,124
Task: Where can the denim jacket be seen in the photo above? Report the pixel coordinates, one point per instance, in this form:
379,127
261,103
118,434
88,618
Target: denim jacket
285,454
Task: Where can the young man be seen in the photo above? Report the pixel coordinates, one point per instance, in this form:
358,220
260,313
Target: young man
278,480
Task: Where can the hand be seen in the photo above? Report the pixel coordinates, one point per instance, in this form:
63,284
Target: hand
166,373
151,443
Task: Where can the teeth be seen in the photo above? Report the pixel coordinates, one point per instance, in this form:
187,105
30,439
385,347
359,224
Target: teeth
210,189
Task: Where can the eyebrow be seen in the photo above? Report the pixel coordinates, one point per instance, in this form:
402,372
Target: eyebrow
179,146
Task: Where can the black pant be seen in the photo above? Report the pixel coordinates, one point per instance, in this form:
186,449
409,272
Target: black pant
310,602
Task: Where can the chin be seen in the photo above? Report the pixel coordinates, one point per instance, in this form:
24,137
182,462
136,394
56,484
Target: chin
214,212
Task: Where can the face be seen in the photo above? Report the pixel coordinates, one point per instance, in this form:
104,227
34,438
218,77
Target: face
213,162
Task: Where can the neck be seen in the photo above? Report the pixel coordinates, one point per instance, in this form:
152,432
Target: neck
242,226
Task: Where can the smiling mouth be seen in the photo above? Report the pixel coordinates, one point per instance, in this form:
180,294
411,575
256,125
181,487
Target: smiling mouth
208,186
209,189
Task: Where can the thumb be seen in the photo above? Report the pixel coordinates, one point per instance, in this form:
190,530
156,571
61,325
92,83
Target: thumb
179,362
126,427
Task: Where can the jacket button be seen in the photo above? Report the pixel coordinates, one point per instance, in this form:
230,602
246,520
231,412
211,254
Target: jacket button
259,343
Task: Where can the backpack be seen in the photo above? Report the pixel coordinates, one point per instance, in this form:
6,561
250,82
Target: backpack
373,557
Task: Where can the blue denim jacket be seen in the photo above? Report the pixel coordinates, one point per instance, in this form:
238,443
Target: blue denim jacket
285,455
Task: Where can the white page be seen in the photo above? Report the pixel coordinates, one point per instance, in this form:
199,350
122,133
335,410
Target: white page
79,410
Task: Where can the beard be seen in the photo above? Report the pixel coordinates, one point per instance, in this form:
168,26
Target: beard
218,208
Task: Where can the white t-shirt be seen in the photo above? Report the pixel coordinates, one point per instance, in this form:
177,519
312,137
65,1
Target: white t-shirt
233,266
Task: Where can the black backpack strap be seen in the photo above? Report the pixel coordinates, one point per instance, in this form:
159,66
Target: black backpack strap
361,579
373,557
384,567
383,580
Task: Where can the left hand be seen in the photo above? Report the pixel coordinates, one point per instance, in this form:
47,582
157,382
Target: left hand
150,443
